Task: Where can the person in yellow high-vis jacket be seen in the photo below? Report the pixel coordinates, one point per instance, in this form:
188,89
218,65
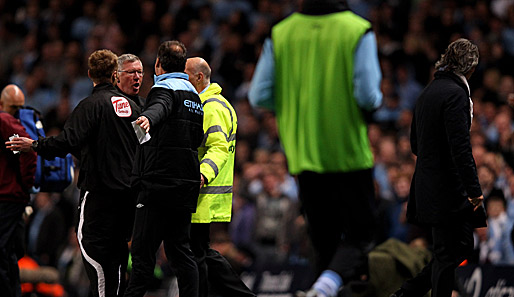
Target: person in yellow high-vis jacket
216,154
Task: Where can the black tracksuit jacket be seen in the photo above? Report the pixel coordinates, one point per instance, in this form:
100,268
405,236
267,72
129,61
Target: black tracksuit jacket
99,133
167,165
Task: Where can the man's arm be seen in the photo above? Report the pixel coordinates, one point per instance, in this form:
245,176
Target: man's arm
77,129
367,74
456,121
159,105
218,134
413,136
263,80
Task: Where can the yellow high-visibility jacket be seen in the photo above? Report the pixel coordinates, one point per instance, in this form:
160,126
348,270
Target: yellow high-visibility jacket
216,154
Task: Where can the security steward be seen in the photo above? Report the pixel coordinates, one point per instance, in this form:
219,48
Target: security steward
216,154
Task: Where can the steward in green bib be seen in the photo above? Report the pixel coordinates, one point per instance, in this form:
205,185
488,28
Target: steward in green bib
319,71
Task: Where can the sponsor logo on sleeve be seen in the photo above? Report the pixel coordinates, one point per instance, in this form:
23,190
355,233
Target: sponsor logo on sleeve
121,106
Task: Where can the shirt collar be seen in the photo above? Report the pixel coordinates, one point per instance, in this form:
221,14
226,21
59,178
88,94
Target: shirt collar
164,76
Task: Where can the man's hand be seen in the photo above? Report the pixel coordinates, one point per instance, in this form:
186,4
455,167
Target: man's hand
23,144
202,180
144,123
476,202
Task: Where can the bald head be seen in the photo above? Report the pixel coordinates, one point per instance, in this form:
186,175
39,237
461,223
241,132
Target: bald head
199,73
12,99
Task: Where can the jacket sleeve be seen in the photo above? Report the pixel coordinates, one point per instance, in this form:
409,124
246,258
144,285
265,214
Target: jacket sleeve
456,122
158,106
27,161
367,74
78,128
413,135
218,132
263,81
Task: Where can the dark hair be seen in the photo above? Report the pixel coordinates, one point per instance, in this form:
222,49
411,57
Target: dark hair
102,65
460,57
172,56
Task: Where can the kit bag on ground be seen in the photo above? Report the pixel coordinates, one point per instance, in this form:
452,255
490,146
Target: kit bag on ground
53,175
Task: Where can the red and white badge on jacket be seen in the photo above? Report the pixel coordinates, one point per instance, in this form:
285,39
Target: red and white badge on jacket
121,106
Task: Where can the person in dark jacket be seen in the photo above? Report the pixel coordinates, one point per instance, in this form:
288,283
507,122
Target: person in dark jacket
16,178
167,172
100,134
445,191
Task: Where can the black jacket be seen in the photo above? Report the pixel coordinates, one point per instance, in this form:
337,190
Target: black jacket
100,134
445,174
167,166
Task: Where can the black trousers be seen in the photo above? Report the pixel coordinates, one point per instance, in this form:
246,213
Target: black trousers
452,242
213,268
157,223
10,220
103,231
341,221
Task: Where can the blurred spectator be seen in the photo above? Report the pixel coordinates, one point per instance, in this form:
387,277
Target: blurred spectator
274,219
408,88
498,248
47,222
487,177
71,269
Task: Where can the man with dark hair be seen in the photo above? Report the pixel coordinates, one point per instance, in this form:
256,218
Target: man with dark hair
445,191
99,132
17,177
129,77
167,172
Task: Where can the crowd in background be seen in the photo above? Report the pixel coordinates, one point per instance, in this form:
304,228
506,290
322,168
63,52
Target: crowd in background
44,45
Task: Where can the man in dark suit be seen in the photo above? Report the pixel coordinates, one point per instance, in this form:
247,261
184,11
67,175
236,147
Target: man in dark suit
445,192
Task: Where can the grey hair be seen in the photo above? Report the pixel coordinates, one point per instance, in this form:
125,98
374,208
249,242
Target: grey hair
460,57
127,58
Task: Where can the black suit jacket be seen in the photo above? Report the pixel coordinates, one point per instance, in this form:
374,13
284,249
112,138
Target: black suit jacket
445,174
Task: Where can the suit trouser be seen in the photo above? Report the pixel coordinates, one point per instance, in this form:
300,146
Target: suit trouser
103,230
340,221
10,217
157,223
452,243
213,268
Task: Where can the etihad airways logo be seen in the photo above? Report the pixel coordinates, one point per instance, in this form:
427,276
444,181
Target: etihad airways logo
121,106
193,107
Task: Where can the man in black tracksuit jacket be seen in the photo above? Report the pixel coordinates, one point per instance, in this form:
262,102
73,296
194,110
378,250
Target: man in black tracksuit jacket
167,172
100,134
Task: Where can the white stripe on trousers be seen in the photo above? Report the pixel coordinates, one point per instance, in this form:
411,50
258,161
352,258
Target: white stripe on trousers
96,265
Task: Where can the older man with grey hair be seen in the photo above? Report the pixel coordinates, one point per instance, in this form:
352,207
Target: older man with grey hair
445,191
129,77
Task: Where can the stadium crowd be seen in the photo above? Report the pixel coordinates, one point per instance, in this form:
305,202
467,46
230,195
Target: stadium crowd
44,45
